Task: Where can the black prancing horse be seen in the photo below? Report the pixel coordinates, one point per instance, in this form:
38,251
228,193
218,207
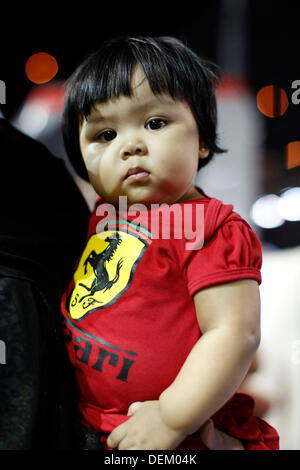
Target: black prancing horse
98,263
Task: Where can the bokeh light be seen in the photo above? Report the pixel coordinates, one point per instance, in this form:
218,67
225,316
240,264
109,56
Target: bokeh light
265,213
272,101
289,204
292,156
271,211
41,67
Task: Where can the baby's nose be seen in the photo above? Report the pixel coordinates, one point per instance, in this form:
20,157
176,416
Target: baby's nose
133,148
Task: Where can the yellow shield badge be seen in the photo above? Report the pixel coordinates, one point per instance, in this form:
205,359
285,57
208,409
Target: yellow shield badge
105,270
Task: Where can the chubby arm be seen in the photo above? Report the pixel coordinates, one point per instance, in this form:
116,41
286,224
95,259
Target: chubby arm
229,318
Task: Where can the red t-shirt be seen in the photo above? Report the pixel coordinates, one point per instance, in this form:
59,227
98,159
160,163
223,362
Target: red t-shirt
129,314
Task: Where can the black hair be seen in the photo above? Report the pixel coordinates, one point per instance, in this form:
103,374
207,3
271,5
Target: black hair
169,66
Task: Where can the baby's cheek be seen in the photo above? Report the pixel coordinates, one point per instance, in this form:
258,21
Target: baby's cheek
92,161
104,180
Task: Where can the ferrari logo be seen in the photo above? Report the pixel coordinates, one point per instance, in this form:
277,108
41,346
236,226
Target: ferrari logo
105,270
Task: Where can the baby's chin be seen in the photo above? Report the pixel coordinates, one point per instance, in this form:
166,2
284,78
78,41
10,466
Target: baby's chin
150,201
142,195
123,202
139,198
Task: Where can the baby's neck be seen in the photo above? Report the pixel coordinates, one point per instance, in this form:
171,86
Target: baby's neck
194,193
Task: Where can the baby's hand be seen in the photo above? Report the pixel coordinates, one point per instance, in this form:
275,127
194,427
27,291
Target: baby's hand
210,436
145,430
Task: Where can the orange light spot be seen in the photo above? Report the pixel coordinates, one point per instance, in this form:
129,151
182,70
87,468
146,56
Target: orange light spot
292,155
272,101
41,67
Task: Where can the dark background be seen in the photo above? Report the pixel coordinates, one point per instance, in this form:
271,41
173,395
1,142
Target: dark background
268,34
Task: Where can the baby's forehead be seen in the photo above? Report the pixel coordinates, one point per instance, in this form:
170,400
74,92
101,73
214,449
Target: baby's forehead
138,76
142,99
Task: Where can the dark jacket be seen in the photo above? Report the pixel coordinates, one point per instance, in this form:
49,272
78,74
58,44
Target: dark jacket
43,227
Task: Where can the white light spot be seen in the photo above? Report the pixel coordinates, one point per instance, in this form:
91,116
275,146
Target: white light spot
33,119
265,213
289,204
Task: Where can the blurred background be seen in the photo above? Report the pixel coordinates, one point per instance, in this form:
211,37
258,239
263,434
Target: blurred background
256,45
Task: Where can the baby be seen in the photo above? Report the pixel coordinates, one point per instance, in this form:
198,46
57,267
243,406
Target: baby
150,316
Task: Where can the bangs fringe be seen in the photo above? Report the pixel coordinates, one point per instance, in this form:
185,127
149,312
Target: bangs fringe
107,75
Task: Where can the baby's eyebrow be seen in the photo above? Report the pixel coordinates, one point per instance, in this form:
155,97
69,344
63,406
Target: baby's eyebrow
95,119
143,106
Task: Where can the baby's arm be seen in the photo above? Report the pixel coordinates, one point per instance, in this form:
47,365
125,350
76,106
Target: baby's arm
229,318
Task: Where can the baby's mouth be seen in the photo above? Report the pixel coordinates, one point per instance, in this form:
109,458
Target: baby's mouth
137,174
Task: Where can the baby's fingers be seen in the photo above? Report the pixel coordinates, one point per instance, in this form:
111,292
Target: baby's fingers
134,407
116,436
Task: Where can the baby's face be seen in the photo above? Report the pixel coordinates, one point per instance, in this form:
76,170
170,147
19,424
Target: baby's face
145,147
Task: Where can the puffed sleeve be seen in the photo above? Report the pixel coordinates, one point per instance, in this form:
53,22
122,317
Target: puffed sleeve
232,253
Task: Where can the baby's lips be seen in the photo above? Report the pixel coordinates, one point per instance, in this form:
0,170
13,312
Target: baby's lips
135,170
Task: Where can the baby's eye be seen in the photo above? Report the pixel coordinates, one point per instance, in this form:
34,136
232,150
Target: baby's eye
155,124
107,136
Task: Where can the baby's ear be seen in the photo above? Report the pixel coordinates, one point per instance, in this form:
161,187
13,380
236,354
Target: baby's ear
203,151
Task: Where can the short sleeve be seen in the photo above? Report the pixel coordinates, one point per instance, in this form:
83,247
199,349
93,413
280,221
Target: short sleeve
233,253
